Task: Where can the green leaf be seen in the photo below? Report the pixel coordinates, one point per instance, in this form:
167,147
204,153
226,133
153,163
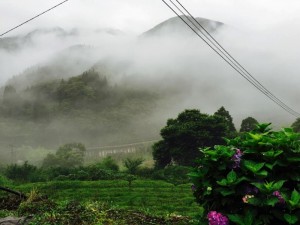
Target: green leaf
256,137
272,154
294,159
226,192
278,185
249,218
295,197
270,166
249,151
272,201
278,152
262,173
255,201
238,219
287,130
223,182
253,166
194,175
291,219
231,177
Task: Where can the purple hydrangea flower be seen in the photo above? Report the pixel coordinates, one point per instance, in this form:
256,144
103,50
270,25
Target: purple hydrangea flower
215,218
236,158
279,196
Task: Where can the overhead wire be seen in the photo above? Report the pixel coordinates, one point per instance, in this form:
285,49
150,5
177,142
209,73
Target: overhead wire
226,56
6,32
249,77
232,59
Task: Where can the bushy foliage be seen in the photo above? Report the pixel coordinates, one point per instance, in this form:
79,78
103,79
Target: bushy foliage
108,163
68,155
184,135
253,180
4,181
296,125
132,165
23,173
248,124
173,174
222,112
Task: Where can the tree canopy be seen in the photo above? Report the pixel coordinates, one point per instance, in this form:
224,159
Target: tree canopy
68,156
248,124
183,136
228,120
296,125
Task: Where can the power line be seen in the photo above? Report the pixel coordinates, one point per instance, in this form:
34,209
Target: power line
241,69
232,59
226,56
33,18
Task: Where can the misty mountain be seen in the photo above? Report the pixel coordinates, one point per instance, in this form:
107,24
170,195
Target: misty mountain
78,58
85,107
16,43
171,62
64,64
175,26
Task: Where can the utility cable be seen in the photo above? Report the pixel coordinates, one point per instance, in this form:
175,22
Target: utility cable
233,63
33,18
223,57
219,46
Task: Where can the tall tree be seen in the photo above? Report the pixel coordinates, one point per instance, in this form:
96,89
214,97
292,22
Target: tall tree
228,120
248,124
296,125
67,156
183,136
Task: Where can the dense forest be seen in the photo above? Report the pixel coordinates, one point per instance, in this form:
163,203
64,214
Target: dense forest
84,108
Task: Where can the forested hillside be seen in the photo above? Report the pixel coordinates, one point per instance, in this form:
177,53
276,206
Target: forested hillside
87,107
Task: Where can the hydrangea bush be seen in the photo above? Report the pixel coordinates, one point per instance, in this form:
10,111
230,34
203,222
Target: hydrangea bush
253,180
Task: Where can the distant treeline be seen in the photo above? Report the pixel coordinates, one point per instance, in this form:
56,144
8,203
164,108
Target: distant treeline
89,92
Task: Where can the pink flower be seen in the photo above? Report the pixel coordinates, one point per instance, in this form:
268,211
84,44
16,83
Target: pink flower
278,195
215,218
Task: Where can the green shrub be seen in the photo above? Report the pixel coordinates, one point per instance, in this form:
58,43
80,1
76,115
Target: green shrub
173,174
252,180
24,173
108,163
133,165
4,181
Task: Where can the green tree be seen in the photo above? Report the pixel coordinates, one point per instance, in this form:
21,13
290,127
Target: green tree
108,163
21,173
228,120
132,165
248,124
69,156
183,136
11,101
296,125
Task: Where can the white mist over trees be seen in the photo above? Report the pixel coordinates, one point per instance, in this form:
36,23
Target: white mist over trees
162,72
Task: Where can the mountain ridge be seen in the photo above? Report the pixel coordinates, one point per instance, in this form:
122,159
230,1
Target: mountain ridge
175,25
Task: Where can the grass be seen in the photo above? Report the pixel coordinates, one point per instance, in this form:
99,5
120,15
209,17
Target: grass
154,197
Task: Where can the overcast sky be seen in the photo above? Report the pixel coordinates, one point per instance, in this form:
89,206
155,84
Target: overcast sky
271,50
139,15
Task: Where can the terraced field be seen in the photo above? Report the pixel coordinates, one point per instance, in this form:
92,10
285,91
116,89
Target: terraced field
154,197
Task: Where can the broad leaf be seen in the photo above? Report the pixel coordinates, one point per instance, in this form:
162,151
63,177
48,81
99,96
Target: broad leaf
253,166
231,177
291,219
238,219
